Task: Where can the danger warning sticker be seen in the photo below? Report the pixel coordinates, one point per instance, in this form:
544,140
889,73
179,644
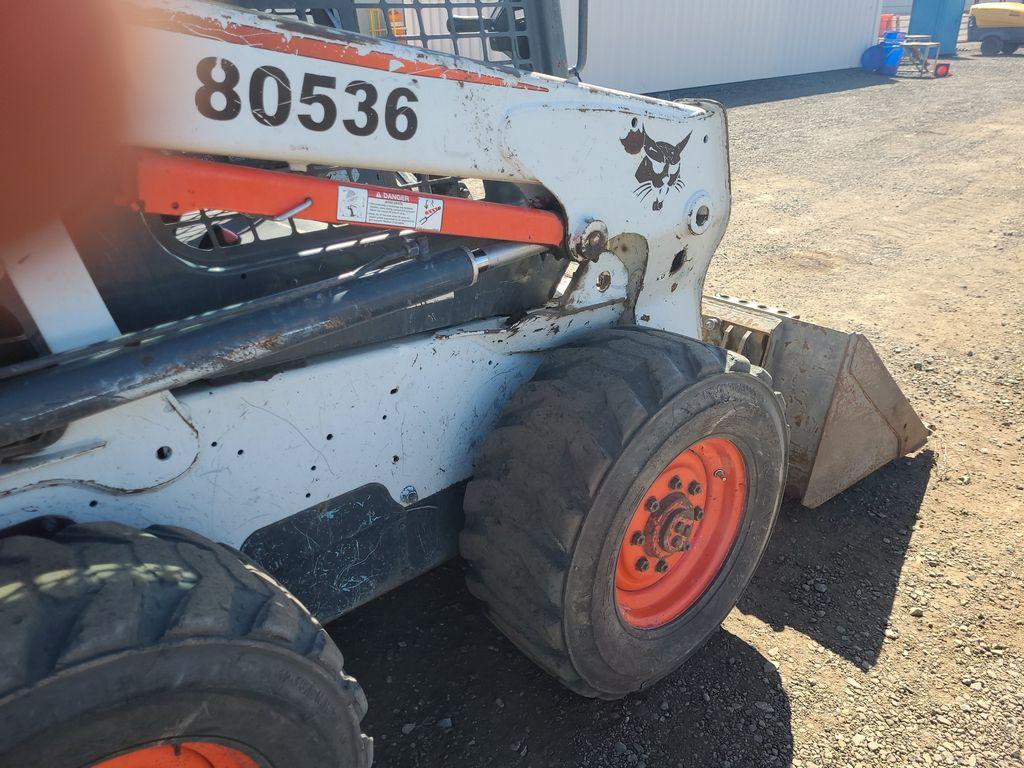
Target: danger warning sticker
390,209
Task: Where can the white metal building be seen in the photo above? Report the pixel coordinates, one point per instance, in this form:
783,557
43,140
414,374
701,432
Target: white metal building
647,46
905,7
900,7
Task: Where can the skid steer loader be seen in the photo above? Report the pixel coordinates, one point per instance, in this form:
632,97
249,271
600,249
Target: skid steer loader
359,305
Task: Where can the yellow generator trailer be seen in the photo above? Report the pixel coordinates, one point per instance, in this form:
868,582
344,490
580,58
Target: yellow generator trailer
999,27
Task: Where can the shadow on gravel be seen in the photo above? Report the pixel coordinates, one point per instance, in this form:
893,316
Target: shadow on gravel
832,572
447,689
780,88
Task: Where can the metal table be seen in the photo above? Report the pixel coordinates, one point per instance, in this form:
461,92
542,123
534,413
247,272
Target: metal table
922,53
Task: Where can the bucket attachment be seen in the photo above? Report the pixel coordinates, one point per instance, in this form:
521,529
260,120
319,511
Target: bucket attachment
847,416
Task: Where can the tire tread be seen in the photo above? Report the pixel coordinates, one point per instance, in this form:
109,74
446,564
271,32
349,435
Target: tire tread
525,509
81,599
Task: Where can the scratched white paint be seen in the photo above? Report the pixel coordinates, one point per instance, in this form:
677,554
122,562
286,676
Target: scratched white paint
140,445
403,413
649,46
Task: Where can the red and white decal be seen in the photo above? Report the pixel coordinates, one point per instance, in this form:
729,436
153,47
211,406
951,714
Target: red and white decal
390,209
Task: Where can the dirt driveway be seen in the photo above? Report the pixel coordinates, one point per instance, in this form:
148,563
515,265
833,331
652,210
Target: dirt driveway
887,627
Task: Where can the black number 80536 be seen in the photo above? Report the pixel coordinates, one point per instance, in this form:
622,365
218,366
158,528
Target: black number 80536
399,118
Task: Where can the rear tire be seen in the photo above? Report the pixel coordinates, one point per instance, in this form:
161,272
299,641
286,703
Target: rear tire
121,647
557,488
991,45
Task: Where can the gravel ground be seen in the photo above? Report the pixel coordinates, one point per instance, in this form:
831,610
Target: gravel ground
886,627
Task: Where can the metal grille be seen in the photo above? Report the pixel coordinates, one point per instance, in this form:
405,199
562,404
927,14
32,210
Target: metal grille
226,241
525,35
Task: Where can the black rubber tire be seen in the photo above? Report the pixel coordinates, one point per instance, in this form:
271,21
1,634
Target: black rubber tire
991,45
1010,48
557,481
112,639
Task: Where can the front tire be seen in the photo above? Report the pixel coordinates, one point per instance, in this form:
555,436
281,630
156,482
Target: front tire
991,45
123,648
561,500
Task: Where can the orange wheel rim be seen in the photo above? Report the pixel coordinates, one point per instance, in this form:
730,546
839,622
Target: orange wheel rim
187,755
681,534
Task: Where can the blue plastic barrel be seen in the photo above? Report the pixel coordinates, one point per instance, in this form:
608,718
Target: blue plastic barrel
893,57
873,59
883,59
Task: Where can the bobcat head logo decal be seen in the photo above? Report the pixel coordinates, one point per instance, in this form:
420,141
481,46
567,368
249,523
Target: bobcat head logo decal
659,169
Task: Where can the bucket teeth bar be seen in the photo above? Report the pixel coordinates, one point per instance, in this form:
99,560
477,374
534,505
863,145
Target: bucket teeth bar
847,415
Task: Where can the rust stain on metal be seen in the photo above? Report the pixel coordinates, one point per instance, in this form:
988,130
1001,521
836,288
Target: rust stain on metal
848,416
333,46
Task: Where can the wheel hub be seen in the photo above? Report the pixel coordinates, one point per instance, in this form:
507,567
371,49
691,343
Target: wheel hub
681,533
186,755
669,529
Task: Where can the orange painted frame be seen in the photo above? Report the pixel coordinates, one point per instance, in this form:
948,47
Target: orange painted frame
174,185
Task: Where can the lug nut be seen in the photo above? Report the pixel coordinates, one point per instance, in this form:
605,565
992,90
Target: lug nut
642,564
661,567
652,505
698,513
637,539
675,483
686,546
693,488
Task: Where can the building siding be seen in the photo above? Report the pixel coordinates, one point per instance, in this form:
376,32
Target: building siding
901,7
905,7
647,46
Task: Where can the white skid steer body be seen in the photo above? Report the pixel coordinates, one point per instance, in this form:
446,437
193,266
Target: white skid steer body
229,458
637,196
